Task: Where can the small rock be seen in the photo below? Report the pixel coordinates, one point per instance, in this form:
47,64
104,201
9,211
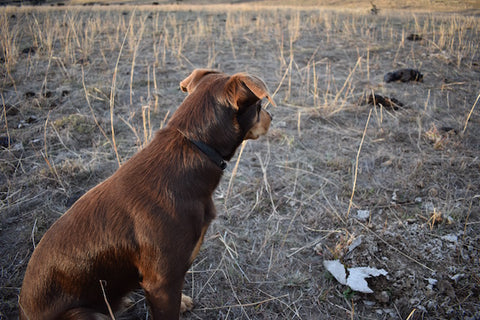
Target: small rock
31,119
18,147
369,303
36,141
451,238
431,283
428,206
446,288
433,192
457,277
394,196
318,249
390,312
363,215
355,244
431,305
383,297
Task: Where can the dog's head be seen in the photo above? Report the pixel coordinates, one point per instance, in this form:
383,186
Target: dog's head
223,110
242,92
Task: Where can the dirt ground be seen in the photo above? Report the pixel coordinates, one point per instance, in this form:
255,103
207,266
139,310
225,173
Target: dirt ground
343,174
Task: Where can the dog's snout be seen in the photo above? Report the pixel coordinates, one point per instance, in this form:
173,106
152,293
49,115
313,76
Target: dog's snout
269,114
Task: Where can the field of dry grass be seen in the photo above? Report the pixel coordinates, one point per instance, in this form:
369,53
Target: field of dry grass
338,176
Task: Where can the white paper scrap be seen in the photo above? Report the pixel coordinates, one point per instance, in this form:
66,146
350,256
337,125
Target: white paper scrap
336,269
356,276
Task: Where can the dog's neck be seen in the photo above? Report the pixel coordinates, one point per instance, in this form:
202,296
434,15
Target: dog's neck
210,152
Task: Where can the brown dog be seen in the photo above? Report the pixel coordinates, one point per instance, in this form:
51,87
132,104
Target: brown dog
145,224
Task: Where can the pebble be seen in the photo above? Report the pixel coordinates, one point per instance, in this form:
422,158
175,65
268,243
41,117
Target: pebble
431,305
363,215
451,238
457,277
383,297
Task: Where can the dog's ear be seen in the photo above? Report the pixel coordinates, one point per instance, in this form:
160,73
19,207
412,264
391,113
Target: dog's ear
190,83
246,89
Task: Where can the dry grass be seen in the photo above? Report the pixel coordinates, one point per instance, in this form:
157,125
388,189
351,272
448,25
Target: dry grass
83,88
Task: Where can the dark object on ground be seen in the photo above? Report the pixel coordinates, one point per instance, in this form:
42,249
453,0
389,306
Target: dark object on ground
31,119
29,94
386,102
447,129
374,10
29,50
11,110
414,37
403,75
83,61
48,94
73,198
5,142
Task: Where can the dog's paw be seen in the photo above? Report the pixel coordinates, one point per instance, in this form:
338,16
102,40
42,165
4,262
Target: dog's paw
186,304
127,303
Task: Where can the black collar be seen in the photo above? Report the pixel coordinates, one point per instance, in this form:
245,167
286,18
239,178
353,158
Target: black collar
211,153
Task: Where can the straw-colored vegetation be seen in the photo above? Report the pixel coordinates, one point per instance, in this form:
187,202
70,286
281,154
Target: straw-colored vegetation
84,87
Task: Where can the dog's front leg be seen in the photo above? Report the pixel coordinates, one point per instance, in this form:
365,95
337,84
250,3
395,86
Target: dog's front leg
164,298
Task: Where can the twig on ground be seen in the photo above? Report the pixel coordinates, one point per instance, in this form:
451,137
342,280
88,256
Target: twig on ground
242,305
106,300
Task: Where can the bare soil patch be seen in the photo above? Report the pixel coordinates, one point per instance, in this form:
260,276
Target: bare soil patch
407,201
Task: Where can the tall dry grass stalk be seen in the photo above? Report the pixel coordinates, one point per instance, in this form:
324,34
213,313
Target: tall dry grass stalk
91,108
113,89
470,114
45,155
350,203
9,44
7,131
135,38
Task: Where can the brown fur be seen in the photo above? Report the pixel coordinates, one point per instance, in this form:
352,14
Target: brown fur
145,224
